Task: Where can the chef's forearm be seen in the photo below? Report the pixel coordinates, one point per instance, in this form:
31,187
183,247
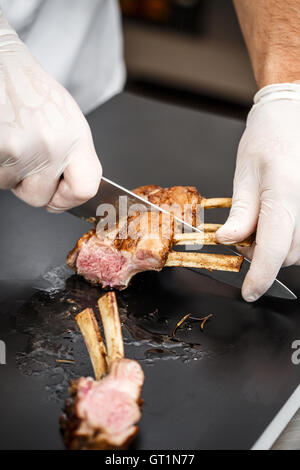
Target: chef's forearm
272,33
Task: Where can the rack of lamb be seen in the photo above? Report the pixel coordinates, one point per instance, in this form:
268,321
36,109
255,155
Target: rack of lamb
111,260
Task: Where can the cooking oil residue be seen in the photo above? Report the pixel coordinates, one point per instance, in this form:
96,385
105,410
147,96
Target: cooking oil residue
55,349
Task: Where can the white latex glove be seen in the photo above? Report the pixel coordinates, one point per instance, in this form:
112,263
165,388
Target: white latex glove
267,187
43,134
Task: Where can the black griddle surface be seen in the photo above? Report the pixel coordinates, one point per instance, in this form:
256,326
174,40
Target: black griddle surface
218,388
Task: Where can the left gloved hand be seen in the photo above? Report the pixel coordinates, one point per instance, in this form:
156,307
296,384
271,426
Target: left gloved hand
43,134
266,195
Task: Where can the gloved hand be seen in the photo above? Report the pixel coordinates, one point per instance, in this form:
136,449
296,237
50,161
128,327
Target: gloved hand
43,134
266,194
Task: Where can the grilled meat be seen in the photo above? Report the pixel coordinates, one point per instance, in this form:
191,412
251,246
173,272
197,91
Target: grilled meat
103,413
144,241
111,260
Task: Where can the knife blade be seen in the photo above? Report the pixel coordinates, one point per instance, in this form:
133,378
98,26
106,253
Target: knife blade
277,289
110,192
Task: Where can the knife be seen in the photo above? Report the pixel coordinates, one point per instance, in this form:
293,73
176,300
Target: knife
109,193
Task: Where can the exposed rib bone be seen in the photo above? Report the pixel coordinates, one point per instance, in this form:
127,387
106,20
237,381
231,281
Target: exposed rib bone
209,227
204,260
89,328
205,238
216,202
108,308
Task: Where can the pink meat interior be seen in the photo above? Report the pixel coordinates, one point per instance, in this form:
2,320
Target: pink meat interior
100,262
109,409
111,403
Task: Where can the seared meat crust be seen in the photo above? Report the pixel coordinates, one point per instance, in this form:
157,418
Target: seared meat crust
111,260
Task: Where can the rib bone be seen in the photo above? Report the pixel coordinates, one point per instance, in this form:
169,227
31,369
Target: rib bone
89,328
204,261
204,238
210,227
216,202
109,313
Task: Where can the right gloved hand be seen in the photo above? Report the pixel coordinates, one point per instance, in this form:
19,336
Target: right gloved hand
43,134
266,193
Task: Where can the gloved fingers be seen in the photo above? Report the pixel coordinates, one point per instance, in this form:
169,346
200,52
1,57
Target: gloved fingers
8,178
80,183
294,254
244,212
273,241
246,251
293,257
242,219
37,190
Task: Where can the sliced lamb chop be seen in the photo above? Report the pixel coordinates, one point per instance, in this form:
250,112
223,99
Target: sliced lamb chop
110,259
102,414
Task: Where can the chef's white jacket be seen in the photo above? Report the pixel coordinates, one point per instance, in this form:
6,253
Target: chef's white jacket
78,42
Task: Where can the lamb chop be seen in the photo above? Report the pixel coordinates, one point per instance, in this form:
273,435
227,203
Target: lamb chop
102,414
111,260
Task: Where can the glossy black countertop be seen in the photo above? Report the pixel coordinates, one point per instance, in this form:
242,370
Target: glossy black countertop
218,388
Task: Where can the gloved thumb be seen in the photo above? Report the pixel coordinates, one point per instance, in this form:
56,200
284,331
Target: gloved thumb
244,212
